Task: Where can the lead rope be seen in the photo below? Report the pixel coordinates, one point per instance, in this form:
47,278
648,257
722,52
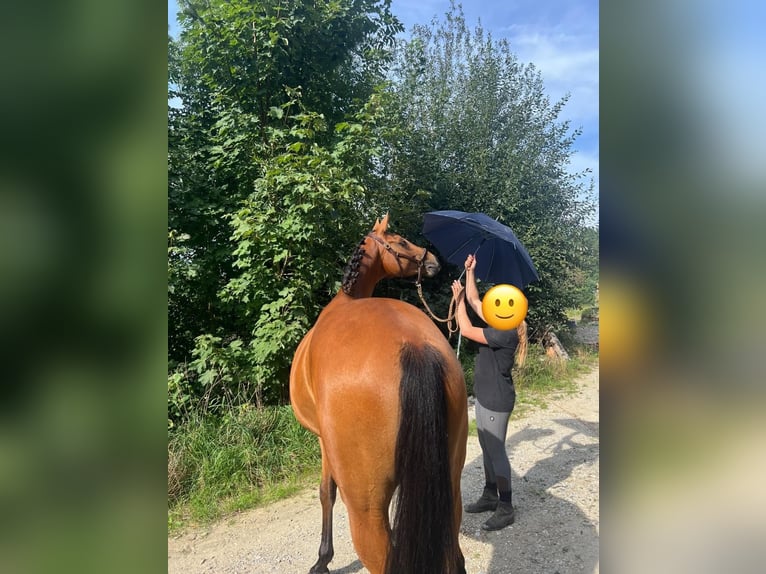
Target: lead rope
452,311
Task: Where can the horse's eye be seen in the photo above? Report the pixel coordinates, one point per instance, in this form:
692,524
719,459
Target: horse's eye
404,244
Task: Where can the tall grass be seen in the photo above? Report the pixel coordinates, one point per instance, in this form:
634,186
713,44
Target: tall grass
247,456
542,377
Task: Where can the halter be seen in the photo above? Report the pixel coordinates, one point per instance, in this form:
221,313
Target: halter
387,246
453,307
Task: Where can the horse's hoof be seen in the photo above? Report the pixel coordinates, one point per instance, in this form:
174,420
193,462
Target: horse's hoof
319,570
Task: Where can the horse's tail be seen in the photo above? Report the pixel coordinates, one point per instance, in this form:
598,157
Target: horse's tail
424,540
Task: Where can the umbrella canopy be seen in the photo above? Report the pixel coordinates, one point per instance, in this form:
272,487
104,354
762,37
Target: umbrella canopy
500,256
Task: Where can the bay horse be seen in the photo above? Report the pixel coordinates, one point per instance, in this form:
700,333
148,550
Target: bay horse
380,385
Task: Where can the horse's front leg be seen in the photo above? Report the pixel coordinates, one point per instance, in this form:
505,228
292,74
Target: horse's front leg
328,490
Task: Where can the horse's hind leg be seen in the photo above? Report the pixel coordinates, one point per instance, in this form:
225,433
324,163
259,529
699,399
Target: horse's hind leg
370,533
328,490
457,468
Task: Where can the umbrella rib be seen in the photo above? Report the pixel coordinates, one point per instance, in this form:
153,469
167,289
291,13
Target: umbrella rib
483,241
461,246
491,260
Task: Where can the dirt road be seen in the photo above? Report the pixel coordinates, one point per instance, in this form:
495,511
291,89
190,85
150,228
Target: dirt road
554,455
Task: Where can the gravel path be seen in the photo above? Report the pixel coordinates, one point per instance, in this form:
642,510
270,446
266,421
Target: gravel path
555,460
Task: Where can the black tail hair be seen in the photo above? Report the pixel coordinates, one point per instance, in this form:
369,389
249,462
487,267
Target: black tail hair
423,536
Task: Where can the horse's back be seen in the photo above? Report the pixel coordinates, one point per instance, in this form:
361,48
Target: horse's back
346,371
349,361
378,325
358,343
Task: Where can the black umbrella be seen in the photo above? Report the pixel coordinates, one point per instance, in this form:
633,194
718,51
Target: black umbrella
501,259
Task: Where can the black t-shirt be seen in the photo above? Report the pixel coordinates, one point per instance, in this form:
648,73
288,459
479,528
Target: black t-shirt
492,383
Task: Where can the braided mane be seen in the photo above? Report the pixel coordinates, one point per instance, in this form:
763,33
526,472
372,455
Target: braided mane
351,271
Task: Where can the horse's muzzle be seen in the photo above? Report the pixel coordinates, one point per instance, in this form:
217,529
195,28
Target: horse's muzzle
431,265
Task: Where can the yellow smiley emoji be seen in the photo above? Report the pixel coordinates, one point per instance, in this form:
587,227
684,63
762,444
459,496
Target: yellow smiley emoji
504,307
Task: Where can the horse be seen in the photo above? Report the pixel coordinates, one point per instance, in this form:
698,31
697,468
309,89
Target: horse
381,387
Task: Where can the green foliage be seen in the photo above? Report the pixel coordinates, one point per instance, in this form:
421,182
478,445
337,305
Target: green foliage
468,361
586,275
242,53
267,159
292,235
589,315
179,398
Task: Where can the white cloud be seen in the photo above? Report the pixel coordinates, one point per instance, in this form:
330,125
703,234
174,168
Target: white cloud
568,64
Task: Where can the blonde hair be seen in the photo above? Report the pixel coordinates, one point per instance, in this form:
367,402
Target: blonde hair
521,349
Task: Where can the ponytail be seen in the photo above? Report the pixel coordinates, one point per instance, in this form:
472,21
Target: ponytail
521,349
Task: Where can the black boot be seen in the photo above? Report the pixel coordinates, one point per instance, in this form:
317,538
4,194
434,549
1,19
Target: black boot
503,516
487,501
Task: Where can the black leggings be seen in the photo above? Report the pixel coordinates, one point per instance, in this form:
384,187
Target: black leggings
492,428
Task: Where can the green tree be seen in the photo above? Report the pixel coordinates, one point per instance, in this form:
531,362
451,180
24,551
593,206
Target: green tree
271,131
483,136
292,236
587,276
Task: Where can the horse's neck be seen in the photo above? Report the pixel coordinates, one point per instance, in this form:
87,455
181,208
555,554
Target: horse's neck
362,288
370,273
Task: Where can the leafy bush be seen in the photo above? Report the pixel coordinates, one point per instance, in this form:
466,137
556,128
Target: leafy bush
179,399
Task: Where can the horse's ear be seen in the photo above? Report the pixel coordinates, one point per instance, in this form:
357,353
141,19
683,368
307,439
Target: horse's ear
382,224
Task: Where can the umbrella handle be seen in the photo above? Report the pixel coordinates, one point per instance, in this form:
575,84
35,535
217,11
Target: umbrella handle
474,254
460,335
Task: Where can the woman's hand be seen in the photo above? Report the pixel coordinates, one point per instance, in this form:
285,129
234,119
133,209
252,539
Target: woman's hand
470,263
457,290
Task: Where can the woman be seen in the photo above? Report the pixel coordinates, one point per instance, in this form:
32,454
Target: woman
495,399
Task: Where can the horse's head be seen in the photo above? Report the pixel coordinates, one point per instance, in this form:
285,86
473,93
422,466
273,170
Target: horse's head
399,256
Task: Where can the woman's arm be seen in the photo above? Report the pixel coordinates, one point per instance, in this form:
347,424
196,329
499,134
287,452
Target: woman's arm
467,329
471,291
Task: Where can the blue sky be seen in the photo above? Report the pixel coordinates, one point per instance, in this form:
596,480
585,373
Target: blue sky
726,82
560,37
